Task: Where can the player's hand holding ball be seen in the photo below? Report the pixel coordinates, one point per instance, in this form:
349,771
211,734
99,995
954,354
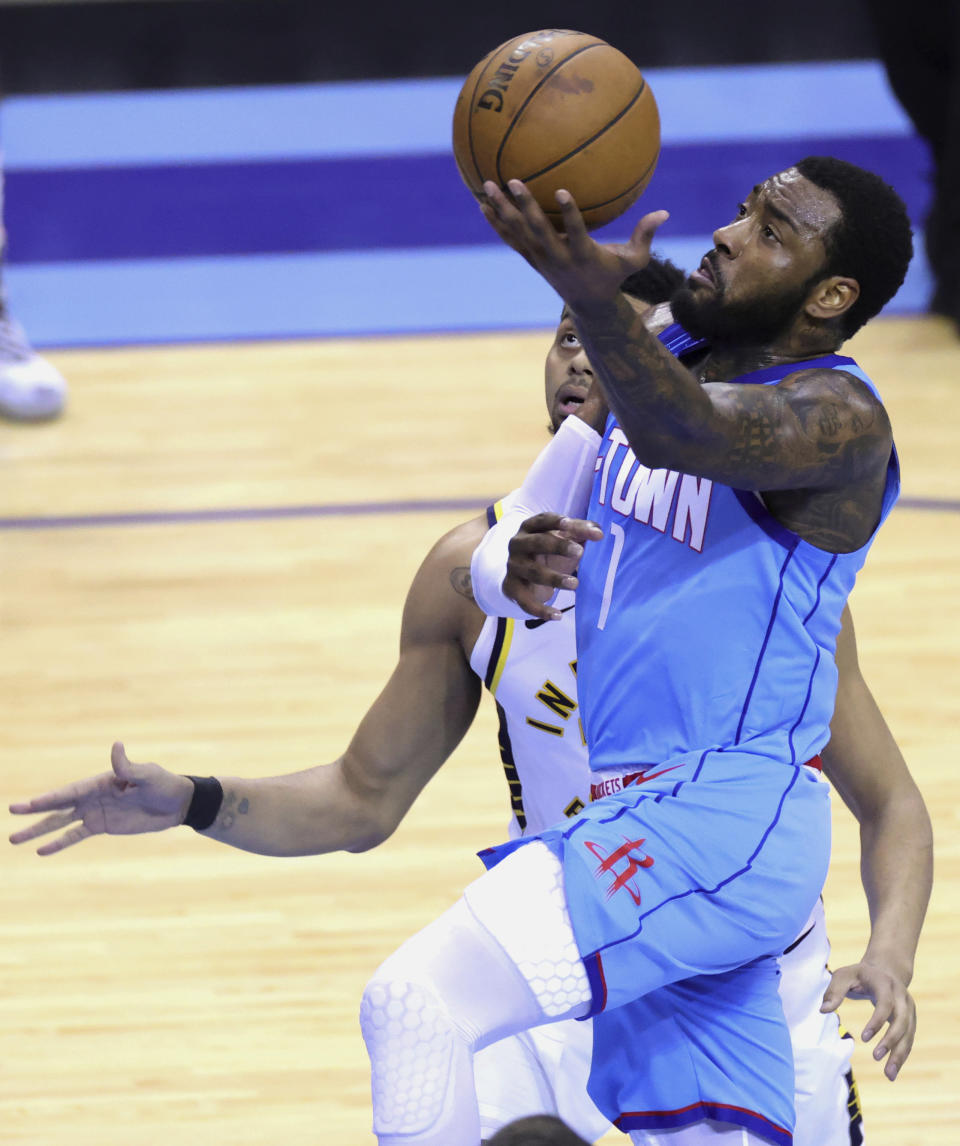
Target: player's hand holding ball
559,109
581,270
555,133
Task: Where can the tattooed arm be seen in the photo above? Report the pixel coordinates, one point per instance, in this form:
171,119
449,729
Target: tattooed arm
351,804
816,444
816,431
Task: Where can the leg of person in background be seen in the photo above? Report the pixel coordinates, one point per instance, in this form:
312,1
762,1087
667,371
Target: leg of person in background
31,388
922,59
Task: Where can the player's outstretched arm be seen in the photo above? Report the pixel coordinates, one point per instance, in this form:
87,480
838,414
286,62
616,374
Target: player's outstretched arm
352,804
867,768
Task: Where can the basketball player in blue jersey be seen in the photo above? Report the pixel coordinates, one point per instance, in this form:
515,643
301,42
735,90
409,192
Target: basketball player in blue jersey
547,1062
735,506
528,669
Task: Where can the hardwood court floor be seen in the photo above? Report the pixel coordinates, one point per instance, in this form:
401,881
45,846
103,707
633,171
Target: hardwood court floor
164,989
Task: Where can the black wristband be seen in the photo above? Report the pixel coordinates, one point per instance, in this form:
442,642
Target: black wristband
207,798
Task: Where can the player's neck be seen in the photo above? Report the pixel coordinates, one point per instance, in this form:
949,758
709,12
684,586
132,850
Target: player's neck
728,361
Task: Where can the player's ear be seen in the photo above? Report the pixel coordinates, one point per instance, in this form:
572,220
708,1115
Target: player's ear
832,297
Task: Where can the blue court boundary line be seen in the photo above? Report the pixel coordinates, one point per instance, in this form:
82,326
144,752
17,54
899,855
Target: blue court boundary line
341,509
243,513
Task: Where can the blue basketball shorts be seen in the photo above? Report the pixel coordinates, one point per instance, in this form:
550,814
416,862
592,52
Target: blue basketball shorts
683,889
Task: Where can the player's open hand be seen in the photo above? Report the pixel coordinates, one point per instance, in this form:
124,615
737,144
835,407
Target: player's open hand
892,1004
544,555
581,270
131,799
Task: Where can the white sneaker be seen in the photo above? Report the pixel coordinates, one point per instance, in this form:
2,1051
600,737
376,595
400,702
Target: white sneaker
31,389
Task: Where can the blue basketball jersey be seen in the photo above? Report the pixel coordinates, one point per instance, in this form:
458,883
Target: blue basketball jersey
701,621
705,636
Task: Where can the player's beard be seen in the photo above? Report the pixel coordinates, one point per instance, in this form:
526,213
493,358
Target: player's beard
753,321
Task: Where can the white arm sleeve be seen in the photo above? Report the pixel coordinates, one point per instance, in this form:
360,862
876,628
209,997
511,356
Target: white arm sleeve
559,481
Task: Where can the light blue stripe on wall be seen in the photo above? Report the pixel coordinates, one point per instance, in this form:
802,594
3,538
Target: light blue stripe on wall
413,116
289,296
266,296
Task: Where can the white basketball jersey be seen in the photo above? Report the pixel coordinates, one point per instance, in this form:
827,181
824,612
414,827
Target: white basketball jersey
530,670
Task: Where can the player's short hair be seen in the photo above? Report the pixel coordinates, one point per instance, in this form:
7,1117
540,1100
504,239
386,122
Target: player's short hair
872,241
540,1130
656,283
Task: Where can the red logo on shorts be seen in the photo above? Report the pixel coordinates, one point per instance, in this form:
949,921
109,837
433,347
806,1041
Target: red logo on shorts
634,864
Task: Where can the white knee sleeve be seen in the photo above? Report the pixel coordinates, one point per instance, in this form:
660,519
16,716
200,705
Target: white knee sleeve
523,904
501,960
446,992
411,1043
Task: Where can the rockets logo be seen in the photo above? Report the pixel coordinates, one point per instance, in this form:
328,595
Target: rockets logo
623,876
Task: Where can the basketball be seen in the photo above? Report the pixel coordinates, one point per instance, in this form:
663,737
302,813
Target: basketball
559,109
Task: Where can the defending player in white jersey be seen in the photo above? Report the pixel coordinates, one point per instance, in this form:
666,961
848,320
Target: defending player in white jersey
448,648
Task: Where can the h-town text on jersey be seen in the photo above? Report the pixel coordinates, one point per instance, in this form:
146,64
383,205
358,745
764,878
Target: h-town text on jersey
663,499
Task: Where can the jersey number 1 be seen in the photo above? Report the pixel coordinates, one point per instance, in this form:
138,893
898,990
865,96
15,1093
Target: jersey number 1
617,532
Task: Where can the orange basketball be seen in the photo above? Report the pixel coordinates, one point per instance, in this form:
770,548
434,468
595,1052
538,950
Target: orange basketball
559,109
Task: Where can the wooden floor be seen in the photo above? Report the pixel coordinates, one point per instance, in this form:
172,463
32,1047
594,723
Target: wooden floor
164,989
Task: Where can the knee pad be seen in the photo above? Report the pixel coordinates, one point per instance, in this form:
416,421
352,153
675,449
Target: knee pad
412,1044
443,994
522,903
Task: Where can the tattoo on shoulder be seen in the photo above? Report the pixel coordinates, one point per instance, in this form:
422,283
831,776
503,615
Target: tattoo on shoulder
839,428
461,581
